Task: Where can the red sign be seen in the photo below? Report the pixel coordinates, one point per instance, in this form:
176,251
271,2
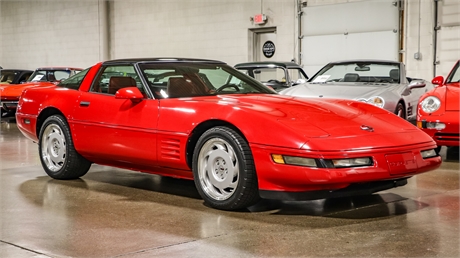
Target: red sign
259,19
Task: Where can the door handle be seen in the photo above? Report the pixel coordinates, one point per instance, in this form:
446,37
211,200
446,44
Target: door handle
84,103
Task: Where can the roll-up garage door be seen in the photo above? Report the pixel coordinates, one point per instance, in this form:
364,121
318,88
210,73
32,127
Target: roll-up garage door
447,36
357,30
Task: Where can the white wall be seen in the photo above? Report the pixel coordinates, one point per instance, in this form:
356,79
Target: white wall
69,33
200,29
38,33
419,38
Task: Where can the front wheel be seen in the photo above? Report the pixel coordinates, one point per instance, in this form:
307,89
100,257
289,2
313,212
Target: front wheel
223,170
58,156
400,111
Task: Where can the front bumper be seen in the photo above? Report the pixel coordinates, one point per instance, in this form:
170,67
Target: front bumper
389,164
9,105
351,190
448,136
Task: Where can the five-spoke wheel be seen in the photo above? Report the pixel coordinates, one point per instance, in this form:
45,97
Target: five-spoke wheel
57,153
223,168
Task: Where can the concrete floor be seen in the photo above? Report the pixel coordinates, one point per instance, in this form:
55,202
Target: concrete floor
116,213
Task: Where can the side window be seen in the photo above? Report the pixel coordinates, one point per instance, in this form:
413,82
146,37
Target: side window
113,78
24,77
74,81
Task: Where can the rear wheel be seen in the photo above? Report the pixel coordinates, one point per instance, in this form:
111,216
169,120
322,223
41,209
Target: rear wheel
58,156
223,170
400,111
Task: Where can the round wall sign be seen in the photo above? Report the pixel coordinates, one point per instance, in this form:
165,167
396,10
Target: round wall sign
269,49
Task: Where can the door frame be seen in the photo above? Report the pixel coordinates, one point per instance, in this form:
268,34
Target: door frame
252,40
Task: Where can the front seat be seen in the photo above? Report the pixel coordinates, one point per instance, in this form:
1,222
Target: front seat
351,77
118,82
179,87
394,75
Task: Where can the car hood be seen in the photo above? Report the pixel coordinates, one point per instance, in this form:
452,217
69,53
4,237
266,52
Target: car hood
17,89
341,90
344,122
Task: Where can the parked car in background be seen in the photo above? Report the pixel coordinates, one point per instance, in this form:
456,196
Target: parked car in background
188,118
13,76
44,76
438,110
277,75
377,82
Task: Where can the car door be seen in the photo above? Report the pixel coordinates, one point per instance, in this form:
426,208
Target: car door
115,131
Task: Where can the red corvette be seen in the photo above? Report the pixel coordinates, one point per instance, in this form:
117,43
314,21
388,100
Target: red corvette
237,139
438,110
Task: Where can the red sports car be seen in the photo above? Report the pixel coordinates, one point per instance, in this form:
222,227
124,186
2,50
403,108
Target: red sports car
438,110
205,121
44,76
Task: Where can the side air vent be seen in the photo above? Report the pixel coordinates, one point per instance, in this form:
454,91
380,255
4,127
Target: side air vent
170,149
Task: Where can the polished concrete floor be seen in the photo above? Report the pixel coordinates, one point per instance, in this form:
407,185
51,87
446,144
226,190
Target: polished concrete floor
116,213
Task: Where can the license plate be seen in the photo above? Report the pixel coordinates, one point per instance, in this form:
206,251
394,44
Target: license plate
401,163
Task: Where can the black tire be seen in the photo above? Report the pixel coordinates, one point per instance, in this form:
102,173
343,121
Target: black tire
400,111
58,156
233,183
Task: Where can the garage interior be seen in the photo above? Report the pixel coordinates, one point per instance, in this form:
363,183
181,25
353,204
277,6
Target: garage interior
112,212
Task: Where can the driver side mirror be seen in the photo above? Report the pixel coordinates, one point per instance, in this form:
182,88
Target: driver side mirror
416,84
438,80
132,93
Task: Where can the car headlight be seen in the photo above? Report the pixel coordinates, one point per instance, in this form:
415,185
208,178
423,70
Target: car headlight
322,163
428,153
358,162
291,160
430,104
376,101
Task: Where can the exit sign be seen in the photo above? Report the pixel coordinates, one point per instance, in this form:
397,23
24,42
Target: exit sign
260,19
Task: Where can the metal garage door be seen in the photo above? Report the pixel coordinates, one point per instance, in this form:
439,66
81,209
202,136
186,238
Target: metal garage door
447,36
366,30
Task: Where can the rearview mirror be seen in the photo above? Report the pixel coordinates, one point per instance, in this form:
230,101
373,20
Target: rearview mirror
362,69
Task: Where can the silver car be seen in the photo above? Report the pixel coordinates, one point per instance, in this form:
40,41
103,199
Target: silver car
377,82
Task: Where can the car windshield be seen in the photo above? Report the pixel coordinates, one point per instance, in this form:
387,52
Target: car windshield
275,74
354,72
7,77
49,75
173,80
455,75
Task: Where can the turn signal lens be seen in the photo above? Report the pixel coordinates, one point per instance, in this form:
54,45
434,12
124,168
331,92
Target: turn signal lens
278,158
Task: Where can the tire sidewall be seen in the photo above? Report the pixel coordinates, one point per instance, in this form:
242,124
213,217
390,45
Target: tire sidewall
59,121
231,139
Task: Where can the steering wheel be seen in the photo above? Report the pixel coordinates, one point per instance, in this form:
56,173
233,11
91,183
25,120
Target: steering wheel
227,86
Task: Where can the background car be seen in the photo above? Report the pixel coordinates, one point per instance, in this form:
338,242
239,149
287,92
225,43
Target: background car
44,76
236,138
377,82
277,75
13,76
438,110
9,77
